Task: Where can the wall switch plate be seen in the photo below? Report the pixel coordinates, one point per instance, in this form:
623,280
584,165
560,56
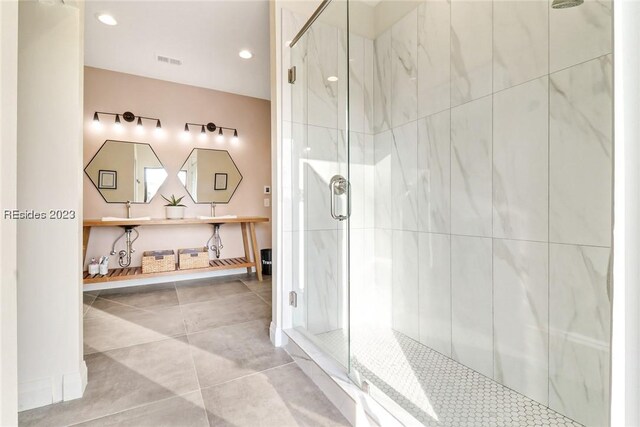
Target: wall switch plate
267,203
267,189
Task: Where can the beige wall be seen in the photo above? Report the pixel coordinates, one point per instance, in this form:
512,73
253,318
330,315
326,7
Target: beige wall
50,58
174,104
8,123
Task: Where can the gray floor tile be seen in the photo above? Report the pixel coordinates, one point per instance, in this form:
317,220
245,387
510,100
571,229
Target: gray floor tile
109,325
254,284
149,296
283,396
230,352
87,299
208,290
184,411
123,379
224,311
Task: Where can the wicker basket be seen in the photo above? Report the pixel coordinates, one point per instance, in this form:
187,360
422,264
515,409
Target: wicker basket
193,258
158,261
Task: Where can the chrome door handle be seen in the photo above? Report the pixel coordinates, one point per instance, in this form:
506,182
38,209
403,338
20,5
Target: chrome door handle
339,186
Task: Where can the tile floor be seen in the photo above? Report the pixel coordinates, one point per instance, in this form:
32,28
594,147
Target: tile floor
193,353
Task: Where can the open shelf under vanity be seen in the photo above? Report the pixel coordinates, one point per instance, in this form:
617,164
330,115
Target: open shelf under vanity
249,261
133,273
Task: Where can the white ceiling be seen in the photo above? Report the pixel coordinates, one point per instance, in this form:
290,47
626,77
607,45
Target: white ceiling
205,35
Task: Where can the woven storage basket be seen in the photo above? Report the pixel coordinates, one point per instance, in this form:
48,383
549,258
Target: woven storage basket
193,258
158,261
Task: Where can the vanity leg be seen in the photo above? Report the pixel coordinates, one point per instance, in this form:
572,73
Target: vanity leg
256,251
245,242
86,231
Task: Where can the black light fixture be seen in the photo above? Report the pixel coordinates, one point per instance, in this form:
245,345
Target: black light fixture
128,117
212,127
235,136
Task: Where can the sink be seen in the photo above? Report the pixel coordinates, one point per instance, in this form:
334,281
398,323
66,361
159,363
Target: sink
218,217
114,218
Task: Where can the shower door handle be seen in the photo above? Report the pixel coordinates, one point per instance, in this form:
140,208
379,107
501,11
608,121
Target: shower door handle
339,186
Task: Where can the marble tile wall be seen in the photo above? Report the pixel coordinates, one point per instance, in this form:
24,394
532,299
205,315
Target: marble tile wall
492,168
480,153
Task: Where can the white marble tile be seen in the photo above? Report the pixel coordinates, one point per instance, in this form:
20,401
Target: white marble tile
295,264
434,57
383,208
521,161
520,41
521,309
435,291
404,177
322,280
382,83
344,78
434,173
369,180
404,72
294,165
580,131
369,71
357,66
383,251
471,169
406,316
471,50
471,303
357,168
322,63
580,316
322,164
580,34
295,95
364,301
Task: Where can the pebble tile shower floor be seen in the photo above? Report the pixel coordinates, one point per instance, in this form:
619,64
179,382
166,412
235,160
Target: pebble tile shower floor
433,388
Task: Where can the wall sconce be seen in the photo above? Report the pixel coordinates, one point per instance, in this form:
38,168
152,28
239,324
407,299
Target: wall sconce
128,116
211,127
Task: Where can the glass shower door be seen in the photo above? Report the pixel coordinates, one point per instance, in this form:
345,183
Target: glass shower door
320,189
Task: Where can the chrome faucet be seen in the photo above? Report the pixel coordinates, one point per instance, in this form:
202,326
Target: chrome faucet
128,209
213,209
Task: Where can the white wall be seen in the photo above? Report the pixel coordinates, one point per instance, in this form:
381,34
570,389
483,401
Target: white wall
8,124
50,84
625,376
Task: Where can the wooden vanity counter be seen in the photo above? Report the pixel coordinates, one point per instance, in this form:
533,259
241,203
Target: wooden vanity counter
130,273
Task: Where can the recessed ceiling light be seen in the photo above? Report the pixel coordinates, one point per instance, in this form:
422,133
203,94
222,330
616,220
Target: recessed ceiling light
107,19
332,78
245,54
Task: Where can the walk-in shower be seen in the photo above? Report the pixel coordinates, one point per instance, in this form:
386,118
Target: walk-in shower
447,172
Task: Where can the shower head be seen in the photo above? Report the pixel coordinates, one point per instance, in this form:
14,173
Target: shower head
565,4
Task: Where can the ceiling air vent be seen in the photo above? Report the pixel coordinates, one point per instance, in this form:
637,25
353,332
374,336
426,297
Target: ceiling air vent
168,60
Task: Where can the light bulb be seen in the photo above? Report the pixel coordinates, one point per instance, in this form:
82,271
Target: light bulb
235,136
220,136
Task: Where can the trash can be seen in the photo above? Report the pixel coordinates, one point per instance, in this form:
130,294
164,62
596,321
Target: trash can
265,254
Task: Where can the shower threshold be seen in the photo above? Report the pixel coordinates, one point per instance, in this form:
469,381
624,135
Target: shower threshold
433,388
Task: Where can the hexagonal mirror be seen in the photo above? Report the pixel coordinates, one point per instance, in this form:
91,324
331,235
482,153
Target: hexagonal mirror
210,176
126,172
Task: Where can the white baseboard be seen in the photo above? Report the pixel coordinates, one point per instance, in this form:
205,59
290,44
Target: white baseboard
73,384
45,391
34,394
278,338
